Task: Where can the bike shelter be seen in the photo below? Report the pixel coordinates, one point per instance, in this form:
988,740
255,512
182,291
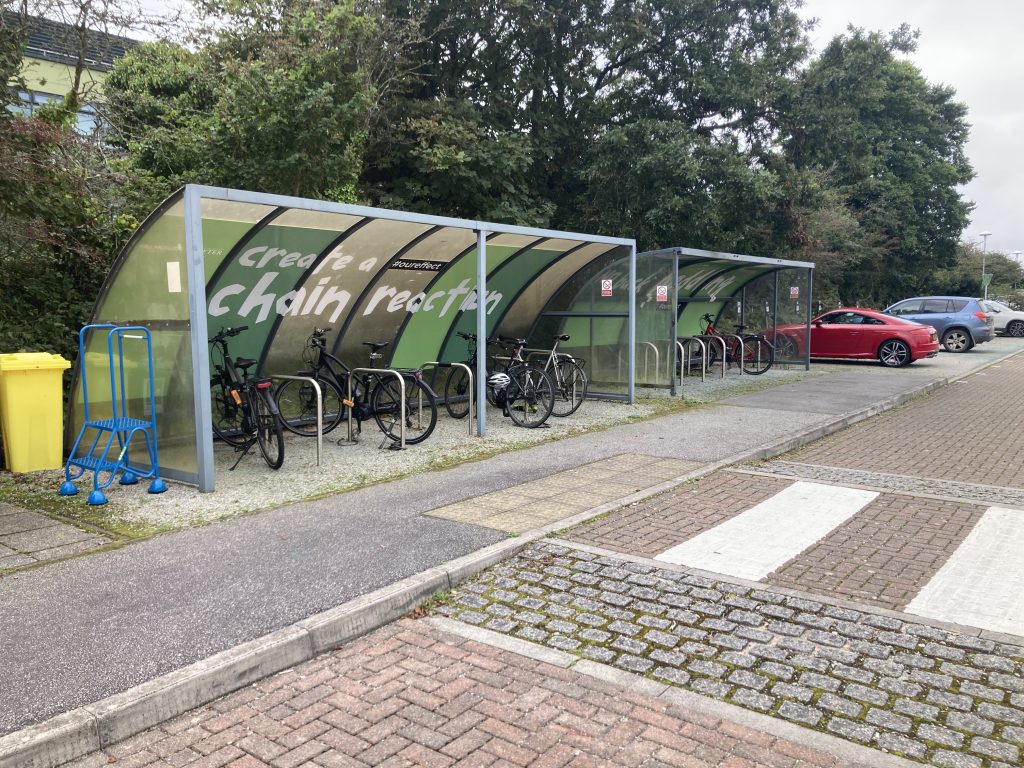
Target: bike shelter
676,287
210,258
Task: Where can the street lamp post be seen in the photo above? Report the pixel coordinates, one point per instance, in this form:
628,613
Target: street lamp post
984,252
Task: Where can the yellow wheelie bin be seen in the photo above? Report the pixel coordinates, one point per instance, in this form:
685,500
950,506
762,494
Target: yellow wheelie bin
32,410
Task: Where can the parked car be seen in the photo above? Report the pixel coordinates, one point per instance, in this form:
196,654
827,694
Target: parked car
961,322
1008,321
858,334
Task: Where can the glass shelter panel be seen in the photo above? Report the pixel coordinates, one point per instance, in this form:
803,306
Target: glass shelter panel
152,290
655,338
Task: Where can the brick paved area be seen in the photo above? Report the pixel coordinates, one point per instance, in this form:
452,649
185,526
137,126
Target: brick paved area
914,689
650,527
545,501
885,553
971,431
411,695
984,494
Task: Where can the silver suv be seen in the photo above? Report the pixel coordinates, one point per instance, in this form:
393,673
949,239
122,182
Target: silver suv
960,322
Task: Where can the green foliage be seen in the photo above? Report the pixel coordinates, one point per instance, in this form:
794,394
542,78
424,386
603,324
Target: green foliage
274,104
891,147
58,233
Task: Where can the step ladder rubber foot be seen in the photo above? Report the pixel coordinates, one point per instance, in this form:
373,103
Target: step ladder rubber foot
157,486
67,488
128,478
96,498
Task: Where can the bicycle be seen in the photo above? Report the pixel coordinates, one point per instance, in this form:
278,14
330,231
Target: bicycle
753,351
243,410
373,395
524,392
567,375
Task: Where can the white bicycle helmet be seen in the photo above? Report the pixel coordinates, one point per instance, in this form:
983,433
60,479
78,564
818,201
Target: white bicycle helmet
498,381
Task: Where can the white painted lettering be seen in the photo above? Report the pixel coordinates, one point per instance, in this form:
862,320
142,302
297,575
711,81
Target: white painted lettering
258,299
398,301
216,307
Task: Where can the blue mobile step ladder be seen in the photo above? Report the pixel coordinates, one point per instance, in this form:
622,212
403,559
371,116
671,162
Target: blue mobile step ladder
120,426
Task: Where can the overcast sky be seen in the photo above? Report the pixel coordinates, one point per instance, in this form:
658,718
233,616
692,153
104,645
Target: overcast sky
976,47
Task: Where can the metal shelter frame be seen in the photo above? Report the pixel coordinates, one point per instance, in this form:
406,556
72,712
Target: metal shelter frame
211,284
710,280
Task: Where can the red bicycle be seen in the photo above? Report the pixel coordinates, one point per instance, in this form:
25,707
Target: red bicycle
752,350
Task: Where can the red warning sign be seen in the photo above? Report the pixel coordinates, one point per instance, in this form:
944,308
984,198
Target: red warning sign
661,293
606,287
794,292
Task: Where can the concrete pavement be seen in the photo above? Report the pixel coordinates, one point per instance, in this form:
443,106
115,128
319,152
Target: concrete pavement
282,566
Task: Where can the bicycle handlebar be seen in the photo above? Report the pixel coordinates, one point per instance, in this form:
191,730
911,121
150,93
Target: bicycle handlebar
226,333
708,318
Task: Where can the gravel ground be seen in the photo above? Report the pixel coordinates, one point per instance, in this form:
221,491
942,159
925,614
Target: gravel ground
343,466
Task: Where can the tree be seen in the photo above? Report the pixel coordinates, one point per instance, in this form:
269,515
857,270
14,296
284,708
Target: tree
276,103
556,79
892,146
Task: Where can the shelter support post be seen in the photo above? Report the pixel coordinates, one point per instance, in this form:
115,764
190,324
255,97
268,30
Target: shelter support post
775,310
631,389
481,330
194,259
674,334
810,314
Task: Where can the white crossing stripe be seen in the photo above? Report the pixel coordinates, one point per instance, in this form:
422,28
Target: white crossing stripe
768,535
982,584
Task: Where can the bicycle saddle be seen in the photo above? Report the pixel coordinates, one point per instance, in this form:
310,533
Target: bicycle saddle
376,346
244,362
563,337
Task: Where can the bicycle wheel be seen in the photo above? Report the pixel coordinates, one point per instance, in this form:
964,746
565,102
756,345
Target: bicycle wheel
456,393
530,396
227,415
269,433
386,401
296,402
570,388
758,355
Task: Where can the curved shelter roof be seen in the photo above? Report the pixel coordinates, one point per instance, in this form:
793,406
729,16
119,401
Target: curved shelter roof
210,258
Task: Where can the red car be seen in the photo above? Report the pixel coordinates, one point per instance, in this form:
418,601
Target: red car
858,334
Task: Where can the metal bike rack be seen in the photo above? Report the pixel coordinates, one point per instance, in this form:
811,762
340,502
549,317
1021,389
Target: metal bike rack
650,345
684,357
401,397
469,372
721,340
319,409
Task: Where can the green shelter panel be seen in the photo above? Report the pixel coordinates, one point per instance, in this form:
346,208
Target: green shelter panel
225,224
602,286
507,282
525,308
453,291
599,342
724,285
403,290
330,289
655,341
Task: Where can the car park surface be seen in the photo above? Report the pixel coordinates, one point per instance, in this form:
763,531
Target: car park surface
1008,321
961,322
858,334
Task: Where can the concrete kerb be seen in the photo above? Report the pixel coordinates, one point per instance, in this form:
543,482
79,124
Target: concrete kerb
706,706
98,725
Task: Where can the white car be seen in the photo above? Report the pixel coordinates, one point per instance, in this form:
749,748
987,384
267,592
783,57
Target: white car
1009,321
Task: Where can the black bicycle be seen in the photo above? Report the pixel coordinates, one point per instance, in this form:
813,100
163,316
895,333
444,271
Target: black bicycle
373,395
242,406
524,392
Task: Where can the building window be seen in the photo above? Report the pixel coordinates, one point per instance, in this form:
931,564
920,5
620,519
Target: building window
87,122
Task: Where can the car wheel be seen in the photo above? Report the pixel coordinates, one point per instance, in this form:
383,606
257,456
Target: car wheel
785,348
893,353
957,340
1015,328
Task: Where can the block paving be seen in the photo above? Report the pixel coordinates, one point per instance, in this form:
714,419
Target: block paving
883,555
563,494
913,689
409,694
953,434
27,538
